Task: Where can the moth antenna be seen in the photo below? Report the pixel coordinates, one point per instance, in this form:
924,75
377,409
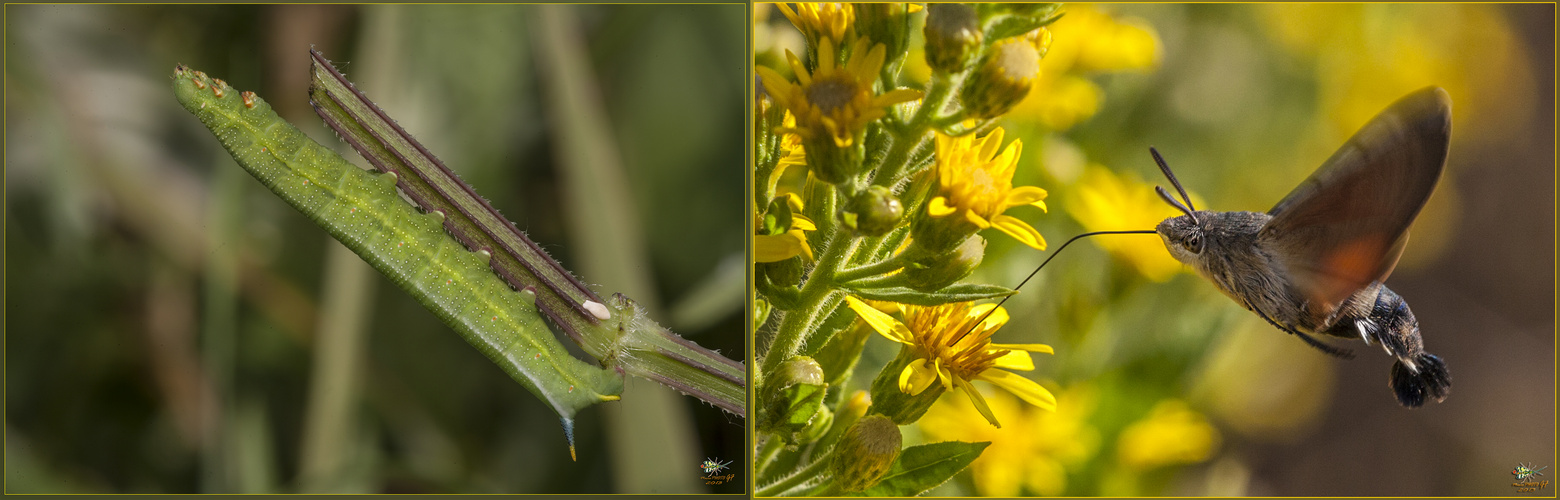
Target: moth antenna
1165,167
1037,271
1176,203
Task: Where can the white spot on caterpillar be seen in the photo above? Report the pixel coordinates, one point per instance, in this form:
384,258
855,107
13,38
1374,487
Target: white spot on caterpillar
598,309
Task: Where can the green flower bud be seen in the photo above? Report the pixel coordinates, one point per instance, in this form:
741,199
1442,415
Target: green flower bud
934,272
889,401
1003,78
817,428
938,235
953,36
787,272
885,23
792,401
800,370
760,313
873,212
830,162
865,453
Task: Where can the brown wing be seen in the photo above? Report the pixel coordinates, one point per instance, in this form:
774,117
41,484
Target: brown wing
1345,226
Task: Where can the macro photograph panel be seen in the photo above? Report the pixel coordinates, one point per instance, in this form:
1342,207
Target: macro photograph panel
1154,249
375,249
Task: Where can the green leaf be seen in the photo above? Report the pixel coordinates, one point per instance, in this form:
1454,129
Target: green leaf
958,292
921,468
364,212
468,218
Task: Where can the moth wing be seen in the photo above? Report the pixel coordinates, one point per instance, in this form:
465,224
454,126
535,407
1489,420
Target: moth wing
1346,225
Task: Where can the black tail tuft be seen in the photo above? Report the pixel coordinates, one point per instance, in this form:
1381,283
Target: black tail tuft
1430,381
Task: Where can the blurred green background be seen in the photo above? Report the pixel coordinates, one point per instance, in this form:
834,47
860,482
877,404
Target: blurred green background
172,326
1167,387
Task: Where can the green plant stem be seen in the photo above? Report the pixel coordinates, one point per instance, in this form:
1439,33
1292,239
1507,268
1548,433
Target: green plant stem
910,138
766,455
796,479
818,297
873,269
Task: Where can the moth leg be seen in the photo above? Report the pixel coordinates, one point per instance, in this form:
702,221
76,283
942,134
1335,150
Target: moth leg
1319,345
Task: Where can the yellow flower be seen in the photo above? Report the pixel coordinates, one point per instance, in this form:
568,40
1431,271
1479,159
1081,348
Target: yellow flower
975,184
792,242
949,351
791,152
821,21
834,101
1033,453
1103,201
1172,433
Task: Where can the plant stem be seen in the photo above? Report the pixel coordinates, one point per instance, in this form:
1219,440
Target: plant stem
766,455
873,269
795,479
910,138
818,297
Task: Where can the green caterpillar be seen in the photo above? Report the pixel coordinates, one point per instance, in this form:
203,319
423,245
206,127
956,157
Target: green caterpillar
363,211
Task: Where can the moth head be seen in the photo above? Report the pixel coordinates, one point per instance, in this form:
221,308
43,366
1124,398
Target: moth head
1184,237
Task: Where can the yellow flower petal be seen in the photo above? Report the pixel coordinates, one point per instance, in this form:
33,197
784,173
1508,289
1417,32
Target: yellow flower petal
1015,360
866,68
775,85
896,96
778,247
994,320
979,402
1020,231
1025,389
1025,195
825,56
884,324
977,220
939,207
798,69
943,375
802,223
1040,348
989,144
916,378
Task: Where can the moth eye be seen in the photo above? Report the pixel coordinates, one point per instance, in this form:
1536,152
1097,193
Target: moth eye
1194,243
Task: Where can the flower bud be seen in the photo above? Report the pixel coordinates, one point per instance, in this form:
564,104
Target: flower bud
888,400
783,273
800,370
934,272
1003,78
792,401
885,23
817,428
953,36
831,162
873,212
865,453
937,235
